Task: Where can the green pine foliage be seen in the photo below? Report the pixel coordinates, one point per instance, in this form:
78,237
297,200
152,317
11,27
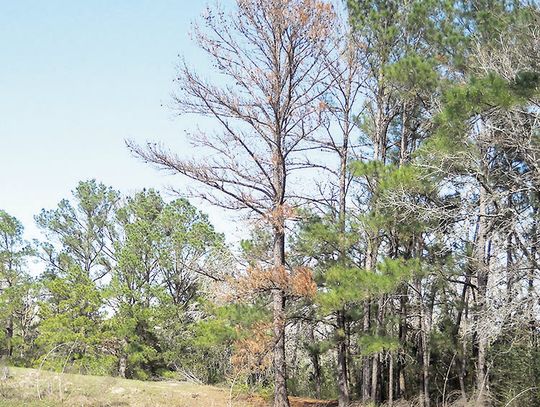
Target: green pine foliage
347,286
17,292
71,330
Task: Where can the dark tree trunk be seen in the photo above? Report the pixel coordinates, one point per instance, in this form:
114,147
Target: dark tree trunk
280,370
366,366
376,361
9,338
343,382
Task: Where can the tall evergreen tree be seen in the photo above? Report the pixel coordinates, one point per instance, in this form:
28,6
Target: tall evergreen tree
16,307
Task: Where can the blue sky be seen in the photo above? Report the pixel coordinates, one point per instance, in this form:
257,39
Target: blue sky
77,78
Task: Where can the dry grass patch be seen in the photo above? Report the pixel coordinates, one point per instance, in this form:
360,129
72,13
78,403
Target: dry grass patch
30,387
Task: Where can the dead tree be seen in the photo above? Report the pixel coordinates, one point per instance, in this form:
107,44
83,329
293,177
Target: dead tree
268,57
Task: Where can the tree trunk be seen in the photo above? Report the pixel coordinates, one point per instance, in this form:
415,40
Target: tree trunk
122,366
404,142
369,363
463,367
425,369
426,345
531,275
366,367
401,388
122,359
374,377
343,382
423,348
376,361
482,280
280,372
314,356
390,379
462,354
9,338
402,383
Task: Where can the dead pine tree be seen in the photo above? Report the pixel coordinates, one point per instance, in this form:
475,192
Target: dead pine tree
264,100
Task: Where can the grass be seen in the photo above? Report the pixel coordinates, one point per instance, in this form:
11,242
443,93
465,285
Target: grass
33,388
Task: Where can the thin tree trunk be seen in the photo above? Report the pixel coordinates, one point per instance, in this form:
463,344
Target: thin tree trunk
9,338
122,359
426,345
509,269
369,382
462,309
374,377
376,361
422,325
366,367
404,142
390,379
532,272
425,369
314,356
402,383
9,325
482,280
343,381
379,138
401,388
122,366
403,298
463,368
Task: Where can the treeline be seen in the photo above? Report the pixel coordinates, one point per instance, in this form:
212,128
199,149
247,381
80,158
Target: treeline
122,287
388,161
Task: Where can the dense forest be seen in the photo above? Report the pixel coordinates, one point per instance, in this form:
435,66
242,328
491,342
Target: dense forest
384,157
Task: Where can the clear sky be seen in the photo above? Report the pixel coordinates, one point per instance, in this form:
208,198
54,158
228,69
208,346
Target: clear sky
77,78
